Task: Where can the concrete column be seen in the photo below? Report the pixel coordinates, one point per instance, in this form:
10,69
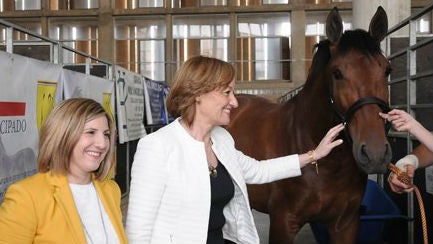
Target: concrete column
106,29
297,64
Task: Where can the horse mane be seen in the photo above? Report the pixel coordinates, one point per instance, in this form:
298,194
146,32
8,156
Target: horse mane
320,59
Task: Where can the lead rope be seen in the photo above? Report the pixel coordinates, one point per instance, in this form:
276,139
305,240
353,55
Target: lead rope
403,177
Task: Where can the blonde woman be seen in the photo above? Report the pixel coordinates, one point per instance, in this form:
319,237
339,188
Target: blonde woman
69,200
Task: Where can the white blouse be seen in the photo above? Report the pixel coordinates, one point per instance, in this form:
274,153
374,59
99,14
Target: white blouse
94,219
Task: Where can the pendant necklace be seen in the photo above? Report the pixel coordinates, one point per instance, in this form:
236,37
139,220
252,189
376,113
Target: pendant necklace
212,171
103,225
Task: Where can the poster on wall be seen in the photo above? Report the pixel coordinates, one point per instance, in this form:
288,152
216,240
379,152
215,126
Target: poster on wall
24,105
81,85
156,93
130,105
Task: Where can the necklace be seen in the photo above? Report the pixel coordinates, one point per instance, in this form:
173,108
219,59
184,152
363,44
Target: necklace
101,217
211,158
103,225
212,171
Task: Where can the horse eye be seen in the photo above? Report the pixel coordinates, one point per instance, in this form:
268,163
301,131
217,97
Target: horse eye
337,74
388,71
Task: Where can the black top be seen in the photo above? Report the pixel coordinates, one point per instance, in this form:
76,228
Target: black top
222,191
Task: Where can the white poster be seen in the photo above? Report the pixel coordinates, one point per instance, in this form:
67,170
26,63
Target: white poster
130,105
29,91
77,84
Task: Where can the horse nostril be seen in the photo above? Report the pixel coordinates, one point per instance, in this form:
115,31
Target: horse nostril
364,158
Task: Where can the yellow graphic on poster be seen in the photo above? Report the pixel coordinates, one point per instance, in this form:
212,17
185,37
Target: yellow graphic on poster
106,103
45,100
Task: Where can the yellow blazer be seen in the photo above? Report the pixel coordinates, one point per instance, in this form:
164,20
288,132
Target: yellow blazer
41,209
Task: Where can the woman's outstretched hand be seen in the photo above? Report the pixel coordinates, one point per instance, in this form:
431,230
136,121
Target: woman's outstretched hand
325,146
328,142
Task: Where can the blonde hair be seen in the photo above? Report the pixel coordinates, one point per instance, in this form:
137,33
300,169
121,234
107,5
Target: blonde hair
61,131
197,76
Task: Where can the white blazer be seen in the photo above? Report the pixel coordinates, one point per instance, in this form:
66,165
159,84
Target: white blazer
169,199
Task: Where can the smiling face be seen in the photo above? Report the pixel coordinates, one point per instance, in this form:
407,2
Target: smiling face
214,107
90,150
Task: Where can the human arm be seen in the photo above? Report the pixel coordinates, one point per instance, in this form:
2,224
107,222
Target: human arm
148,175
325,146
263,171
17,216
420,157
402,121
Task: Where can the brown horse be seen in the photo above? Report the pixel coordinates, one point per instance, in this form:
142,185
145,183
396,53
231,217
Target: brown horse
346,83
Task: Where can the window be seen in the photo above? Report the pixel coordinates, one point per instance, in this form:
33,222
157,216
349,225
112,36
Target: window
263,47
259,2
315,31
24,44
133,4
200,35
20,5
197,3
140,46
69,5
29,24
213,2
78,34
275,1
424,24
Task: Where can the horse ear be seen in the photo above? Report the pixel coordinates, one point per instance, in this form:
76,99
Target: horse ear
379,25
334,26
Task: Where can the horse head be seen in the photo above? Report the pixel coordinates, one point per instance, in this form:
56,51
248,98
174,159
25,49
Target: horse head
357,72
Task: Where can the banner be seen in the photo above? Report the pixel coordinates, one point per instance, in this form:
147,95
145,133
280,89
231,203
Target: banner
29,92
81,85
156,94
77,84
130,105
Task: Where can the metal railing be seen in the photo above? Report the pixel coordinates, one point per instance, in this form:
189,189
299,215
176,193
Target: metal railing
56,52
410,77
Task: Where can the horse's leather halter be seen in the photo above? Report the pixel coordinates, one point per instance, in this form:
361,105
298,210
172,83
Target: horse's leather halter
346,118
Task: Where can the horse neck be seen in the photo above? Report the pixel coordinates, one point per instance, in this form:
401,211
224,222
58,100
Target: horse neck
312,113
314,102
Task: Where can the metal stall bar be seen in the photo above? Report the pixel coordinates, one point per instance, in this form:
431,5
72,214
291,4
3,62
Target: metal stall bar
410,79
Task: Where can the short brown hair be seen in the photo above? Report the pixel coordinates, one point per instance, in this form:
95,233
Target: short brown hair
61,131
197,76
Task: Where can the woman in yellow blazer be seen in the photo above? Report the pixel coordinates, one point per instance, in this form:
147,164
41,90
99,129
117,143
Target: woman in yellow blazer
69,200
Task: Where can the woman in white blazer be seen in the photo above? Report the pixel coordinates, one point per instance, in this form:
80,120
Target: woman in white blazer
188,182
